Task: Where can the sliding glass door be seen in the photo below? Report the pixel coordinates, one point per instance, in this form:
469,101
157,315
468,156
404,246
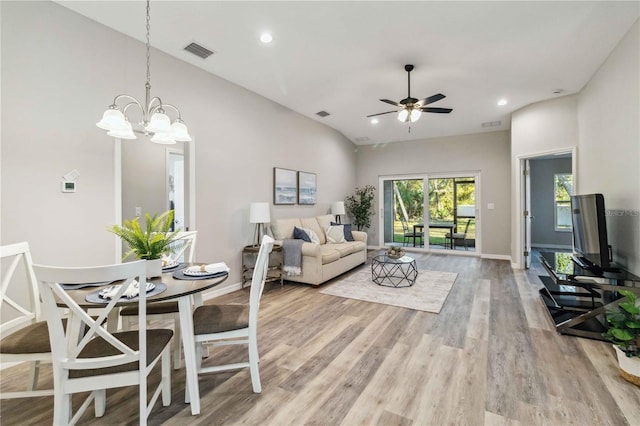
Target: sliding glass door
452,213
437,212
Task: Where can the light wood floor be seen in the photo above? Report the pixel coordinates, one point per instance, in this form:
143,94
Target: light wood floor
490,357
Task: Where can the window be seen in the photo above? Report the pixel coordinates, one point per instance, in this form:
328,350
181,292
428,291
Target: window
563,189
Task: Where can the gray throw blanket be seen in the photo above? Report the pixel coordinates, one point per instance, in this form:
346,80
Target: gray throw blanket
292,257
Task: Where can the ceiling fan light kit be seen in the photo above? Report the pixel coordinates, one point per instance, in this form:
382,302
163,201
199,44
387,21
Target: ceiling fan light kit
412,108
153,115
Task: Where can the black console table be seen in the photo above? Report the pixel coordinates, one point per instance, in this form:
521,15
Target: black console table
577,298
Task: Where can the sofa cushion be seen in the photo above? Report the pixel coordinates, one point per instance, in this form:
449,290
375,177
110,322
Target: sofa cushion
312,223
299,234
329,253
335,234
348,247
282,229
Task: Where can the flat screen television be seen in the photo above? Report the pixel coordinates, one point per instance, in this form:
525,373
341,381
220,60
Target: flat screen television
591,249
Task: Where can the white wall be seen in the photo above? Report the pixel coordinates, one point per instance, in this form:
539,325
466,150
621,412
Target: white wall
487,153
60,71
609,160
602,121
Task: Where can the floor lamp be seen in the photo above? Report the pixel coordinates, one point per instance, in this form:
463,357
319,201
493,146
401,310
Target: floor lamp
337,209
259,214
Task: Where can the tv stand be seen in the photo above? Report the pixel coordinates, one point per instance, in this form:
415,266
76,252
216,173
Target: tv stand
577,298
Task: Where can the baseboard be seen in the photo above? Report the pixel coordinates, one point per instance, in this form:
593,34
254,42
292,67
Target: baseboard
496,256
221,291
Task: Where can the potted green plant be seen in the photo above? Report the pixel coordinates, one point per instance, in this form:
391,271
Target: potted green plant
149,242
624,332
360,206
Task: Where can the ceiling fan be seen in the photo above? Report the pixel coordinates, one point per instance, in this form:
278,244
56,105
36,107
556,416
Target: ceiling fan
412,108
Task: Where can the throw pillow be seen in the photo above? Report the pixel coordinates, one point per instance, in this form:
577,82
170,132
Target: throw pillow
335,234
299,234
347,231
312,235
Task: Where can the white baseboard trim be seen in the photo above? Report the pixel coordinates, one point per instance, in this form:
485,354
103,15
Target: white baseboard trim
221,291
552,246
496,256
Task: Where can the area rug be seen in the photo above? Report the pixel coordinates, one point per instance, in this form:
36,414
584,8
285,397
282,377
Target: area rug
428,293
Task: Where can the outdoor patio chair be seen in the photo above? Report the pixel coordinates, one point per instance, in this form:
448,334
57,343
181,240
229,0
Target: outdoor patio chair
452,238
410,234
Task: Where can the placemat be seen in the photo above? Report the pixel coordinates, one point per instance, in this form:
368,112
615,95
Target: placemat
94,297
179,275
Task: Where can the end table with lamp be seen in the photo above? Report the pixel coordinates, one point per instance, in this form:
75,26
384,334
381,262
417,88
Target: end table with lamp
259,214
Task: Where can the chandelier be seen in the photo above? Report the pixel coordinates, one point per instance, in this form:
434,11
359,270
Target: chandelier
153,116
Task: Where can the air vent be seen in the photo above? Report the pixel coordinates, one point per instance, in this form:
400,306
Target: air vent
198,50
362,139
491,124
322,114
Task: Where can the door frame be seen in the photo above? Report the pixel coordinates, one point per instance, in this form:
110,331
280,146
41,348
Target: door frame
476,174
520,226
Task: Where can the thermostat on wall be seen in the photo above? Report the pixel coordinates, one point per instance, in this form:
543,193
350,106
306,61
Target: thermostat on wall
68,186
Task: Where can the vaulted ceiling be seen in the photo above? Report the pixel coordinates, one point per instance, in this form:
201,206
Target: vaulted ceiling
342,57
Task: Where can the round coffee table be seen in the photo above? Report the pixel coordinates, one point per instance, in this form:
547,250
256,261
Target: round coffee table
390,272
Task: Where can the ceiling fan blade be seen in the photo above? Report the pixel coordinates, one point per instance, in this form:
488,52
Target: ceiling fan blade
381,113
432,99
436,110
391,102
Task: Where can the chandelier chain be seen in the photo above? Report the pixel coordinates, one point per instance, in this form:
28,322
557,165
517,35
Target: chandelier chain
148,43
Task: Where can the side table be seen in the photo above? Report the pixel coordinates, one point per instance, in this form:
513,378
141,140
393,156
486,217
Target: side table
274,272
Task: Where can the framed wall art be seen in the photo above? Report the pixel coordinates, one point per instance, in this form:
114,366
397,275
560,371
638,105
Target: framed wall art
306,188
285,186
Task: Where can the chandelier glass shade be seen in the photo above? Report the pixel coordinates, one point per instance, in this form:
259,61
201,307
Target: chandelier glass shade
409,115
153,117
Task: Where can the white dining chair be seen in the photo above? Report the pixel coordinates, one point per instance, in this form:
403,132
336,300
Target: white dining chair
185,245
87,356
25,337
219,324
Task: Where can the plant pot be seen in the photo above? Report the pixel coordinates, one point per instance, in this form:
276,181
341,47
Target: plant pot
154,268
629,366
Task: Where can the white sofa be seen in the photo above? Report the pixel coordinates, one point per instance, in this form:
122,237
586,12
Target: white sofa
321,262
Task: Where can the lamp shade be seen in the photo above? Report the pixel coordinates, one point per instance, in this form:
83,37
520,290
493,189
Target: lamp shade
180,132
112,119
403,115
126,133
159,123
415,115
259,213
163,138
338,208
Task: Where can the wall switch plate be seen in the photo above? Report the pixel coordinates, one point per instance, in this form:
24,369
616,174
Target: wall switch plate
491,206
68,186
138,211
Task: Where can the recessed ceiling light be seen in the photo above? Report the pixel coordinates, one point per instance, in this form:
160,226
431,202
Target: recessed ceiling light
502,102
374,121
266,37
